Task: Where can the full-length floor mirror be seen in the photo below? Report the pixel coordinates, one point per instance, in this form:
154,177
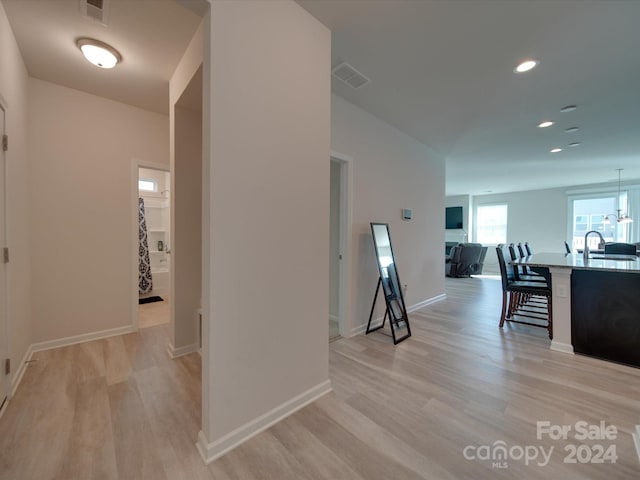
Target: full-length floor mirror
391,286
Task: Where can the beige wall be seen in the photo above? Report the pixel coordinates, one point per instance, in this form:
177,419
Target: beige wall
390,171
185,125
187,242
82,149
267,121
14,90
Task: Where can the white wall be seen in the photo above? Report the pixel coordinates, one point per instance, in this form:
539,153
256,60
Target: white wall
14,92
267,122
391,171
538,217
81,148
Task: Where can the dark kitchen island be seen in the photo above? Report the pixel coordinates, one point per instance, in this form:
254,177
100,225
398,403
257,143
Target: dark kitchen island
596,304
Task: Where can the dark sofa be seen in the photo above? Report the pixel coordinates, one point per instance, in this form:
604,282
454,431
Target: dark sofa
465,259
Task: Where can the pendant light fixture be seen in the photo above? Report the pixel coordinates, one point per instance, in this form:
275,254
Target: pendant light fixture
99,53
619,218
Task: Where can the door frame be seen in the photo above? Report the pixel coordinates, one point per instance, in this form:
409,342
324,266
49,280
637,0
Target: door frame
136,164
5,382
345,162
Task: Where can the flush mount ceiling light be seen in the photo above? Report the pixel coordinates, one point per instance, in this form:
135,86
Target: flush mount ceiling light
568,108
571,129
574,144
525,66
545,124
556,150
99,53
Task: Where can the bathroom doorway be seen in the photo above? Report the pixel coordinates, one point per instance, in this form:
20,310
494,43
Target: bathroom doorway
153,231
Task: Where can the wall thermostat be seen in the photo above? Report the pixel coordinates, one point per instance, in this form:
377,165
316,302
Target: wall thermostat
406,214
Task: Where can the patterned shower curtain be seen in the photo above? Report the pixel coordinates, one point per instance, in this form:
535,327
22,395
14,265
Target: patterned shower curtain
145,283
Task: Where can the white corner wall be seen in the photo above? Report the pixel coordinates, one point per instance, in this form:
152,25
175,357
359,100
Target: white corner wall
82,149
14,93
391,171
267,122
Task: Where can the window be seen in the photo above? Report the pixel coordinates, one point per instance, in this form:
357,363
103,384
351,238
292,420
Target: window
491,224
147,185
588,212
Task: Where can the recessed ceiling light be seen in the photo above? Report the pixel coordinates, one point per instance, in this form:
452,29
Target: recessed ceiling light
525,66
571,129
545,124
556,150
574,144
99,53
568,108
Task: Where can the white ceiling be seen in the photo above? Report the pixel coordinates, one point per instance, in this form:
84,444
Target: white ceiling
441,72
151,35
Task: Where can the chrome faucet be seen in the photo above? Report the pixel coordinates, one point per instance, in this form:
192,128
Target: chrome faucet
585,252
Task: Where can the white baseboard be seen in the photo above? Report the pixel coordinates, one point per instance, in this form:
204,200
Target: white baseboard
561,347
212,451
85,337
360,329
427,302
17,378
363,328
180,351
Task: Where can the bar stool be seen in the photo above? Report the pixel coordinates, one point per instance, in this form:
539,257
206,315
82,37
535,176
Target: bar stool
619,249
519,297
525,275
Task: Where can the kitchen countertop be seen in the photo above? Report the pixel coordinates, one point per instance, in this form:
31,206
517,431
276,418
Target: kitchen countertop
613,263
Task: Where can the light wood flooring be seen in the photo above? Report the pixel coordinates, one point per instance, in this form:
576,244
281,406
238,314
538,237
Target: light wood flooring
120,408
152,314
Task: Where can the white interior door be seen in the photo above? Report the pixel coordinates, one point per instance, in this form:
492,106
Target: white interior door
4,340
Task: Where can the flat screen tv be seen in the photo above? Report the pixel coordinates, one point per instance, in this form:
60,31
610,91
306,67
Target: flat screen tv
453,218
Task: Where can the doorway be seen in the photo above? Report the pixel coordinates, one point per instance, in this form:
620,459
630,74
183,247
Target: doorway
152,237
4,327
339,221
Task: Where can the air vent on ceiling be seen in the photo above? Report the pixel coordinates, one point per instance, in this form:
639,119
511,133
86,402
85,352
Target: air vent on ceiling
95,9
349,75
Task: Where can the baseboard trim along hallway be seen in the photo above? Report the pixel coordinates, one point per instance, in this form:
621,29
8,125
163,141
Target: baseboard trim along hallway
84,337
214,450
